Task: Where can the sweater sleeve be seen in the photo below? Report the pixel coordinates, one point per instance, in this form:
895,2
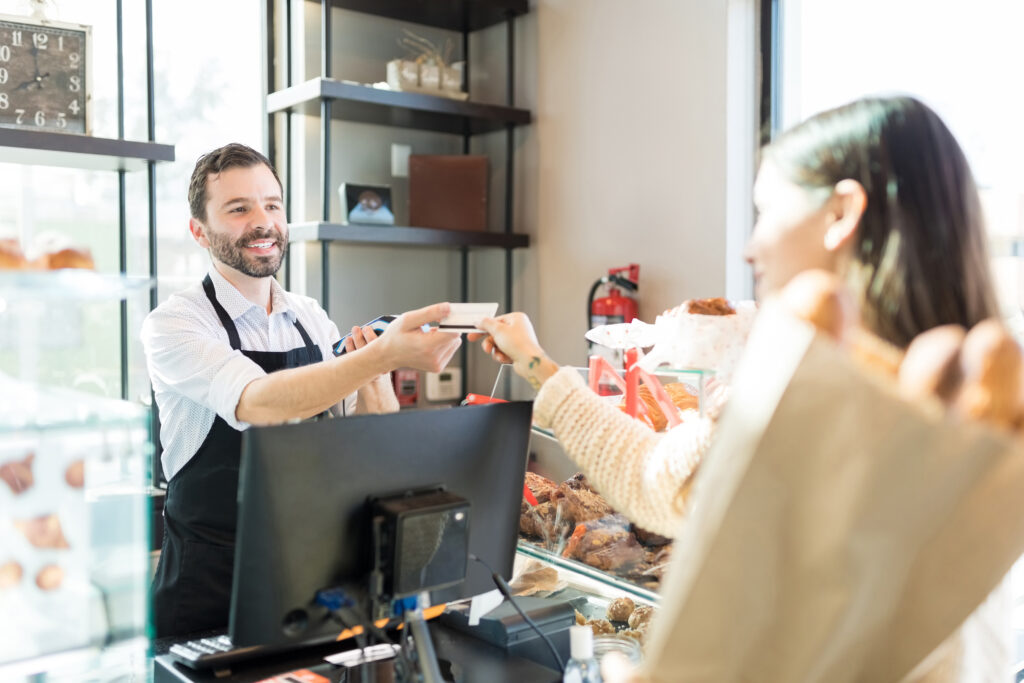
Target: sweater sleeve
639,472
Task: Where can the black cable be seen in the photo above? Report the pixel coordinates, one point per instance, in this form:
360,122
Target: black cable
502,585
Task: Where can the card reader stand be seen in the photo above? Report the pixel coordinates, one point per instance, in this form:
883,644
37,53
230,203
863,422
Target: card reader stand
505,628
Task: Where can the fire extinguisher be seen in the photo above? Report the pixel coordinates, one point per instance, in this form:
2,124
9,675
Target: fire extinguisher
614,306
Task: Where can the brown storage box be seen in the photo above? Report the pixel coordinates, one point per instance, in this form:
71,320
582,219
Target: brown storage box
448,191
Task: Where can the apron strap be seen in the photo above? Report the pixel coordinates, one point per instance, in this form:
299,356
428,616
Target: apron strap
225,319
305,337
229,324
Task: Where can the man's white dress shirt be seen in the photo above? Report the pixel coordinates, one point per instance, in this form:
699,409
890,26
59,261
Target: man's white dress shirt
196,375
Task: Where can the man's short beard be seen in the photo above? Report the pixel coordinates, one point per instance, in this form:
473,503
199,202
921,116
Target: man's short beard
233,254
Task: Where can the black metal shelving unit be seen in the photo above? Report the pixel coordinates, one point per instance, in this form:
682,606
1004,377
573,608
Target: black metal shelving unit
332,99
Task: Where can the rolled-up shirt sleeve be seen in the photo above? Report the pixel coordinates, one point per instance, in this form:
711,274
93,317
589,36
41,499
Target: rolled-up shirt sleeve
187,356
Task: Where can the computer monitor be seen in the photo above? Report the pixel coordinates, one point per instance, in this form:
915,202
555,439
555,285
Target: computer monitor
303,514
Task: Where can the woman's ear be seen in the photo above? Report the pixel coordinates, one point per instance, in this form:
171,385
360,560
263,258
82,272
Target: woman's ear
847,206
198,231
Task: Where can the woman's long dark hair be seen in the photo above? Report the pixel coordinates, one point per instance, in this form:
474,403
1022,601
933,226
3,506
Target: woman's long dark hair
920,255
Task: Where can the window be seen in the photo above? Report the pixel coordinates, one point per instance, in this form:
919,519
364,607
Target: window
208,92
962,60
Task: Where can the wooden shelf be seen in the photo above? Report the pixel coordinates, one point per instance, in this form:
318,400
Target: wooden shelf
362,103
455,15
79,151
400,235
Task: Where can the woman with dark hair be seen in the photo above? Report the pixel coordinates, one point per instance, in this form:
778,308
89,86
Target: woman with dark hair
899,172
877,192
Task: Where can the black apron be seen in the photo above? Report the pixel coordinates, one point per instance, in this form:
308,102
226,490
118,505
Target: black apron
192,586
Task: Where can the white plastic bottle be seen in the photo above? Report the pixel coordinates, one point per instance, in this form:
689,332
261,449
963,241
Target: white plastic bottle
582,667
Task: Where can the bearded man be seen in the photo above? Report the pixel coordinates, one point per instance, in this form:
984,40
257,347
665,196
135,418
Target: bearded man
238,350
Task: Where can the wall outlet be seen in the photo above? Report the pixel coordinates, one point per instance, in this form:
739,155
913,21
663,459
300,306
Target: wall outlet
445,385
400,160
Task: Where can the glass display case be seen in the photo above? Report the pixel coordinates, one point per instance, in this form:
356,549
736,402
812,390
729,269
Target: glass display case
74,469
570,527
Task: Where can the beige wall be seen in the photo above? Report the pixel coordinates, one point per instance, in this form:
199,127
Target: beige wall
635,153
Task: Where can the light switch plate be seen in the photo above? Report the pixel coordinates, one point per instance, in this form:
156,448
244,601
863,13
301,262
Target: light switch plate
444,385
400,160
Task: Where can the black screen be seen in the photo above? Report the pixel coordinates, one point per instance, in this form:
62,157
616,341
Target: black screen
304,522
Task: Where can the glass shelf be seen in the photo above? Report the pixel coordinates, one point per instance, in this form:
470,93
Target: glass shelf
606,580
20,286
27,406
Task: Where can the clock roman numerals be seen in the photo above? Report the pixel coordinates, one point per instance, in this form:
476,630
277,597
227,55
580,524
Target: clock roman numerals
44,75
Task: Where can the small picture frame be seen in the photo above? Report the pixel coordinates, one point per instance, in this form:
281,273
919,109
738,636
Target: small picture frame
366,204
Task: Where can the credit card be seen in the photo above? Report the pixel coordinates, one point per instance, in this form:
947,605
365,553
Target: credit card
465,317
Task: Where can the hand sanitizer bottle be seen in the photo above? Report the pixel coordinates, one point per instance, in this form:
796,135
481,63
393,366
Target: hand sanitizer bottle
582,667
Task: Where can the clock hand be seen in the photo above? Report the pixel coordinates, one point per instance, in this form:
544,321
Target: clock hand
37,82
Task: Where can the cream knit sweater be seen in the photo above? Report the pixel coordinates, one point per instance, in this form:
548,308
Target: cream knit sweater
639,472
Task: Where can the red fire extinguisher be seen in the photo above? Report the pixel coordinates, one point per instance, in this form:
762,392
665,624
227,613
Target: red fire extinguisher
614,306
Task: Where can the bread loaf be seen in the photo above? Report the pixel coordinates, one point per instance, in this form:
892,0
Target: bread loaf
991,364
931,365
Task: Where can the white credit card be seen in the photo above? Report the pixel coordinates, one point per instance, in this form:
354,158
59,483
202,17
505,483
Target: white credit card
465,317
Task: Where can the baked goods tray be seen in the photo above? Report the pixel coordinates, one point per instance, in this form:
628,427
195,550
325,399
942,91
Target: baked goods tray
596,580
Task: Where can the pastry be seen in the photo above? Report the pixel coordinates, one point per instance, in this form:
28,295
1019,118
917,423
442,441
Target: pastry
43,531
641,616
50,577
716,306
69,258
579,481
18,473
678,393
991,363
609,549
11,257
540,580
10,574
601,627
540,487
74,475
581,505
619,609
931,365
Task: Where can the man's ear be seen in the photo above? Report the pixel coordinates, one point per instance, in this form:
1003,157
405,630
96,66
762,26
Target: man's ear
198,231
847,207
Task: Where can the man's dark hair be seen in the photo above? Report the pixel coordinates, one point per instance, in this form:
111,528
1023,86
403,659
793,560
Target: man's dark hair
233,155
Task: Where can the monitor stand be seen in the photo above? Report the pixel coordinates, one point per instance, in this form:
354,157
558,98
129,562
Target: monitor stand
423,657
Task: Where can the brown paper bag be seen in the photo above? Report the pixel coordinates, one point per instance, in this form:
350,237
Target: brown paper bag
836,533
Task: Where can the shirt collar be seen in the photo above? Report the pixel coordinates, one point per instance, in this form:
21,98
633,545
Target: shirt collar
237,305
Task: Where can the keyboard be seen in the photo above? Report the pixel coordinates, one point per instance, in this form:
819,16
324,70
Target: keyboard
214,652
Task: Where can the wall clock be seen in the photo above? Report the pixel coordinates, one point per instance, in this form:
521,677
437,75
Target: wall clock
44,75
